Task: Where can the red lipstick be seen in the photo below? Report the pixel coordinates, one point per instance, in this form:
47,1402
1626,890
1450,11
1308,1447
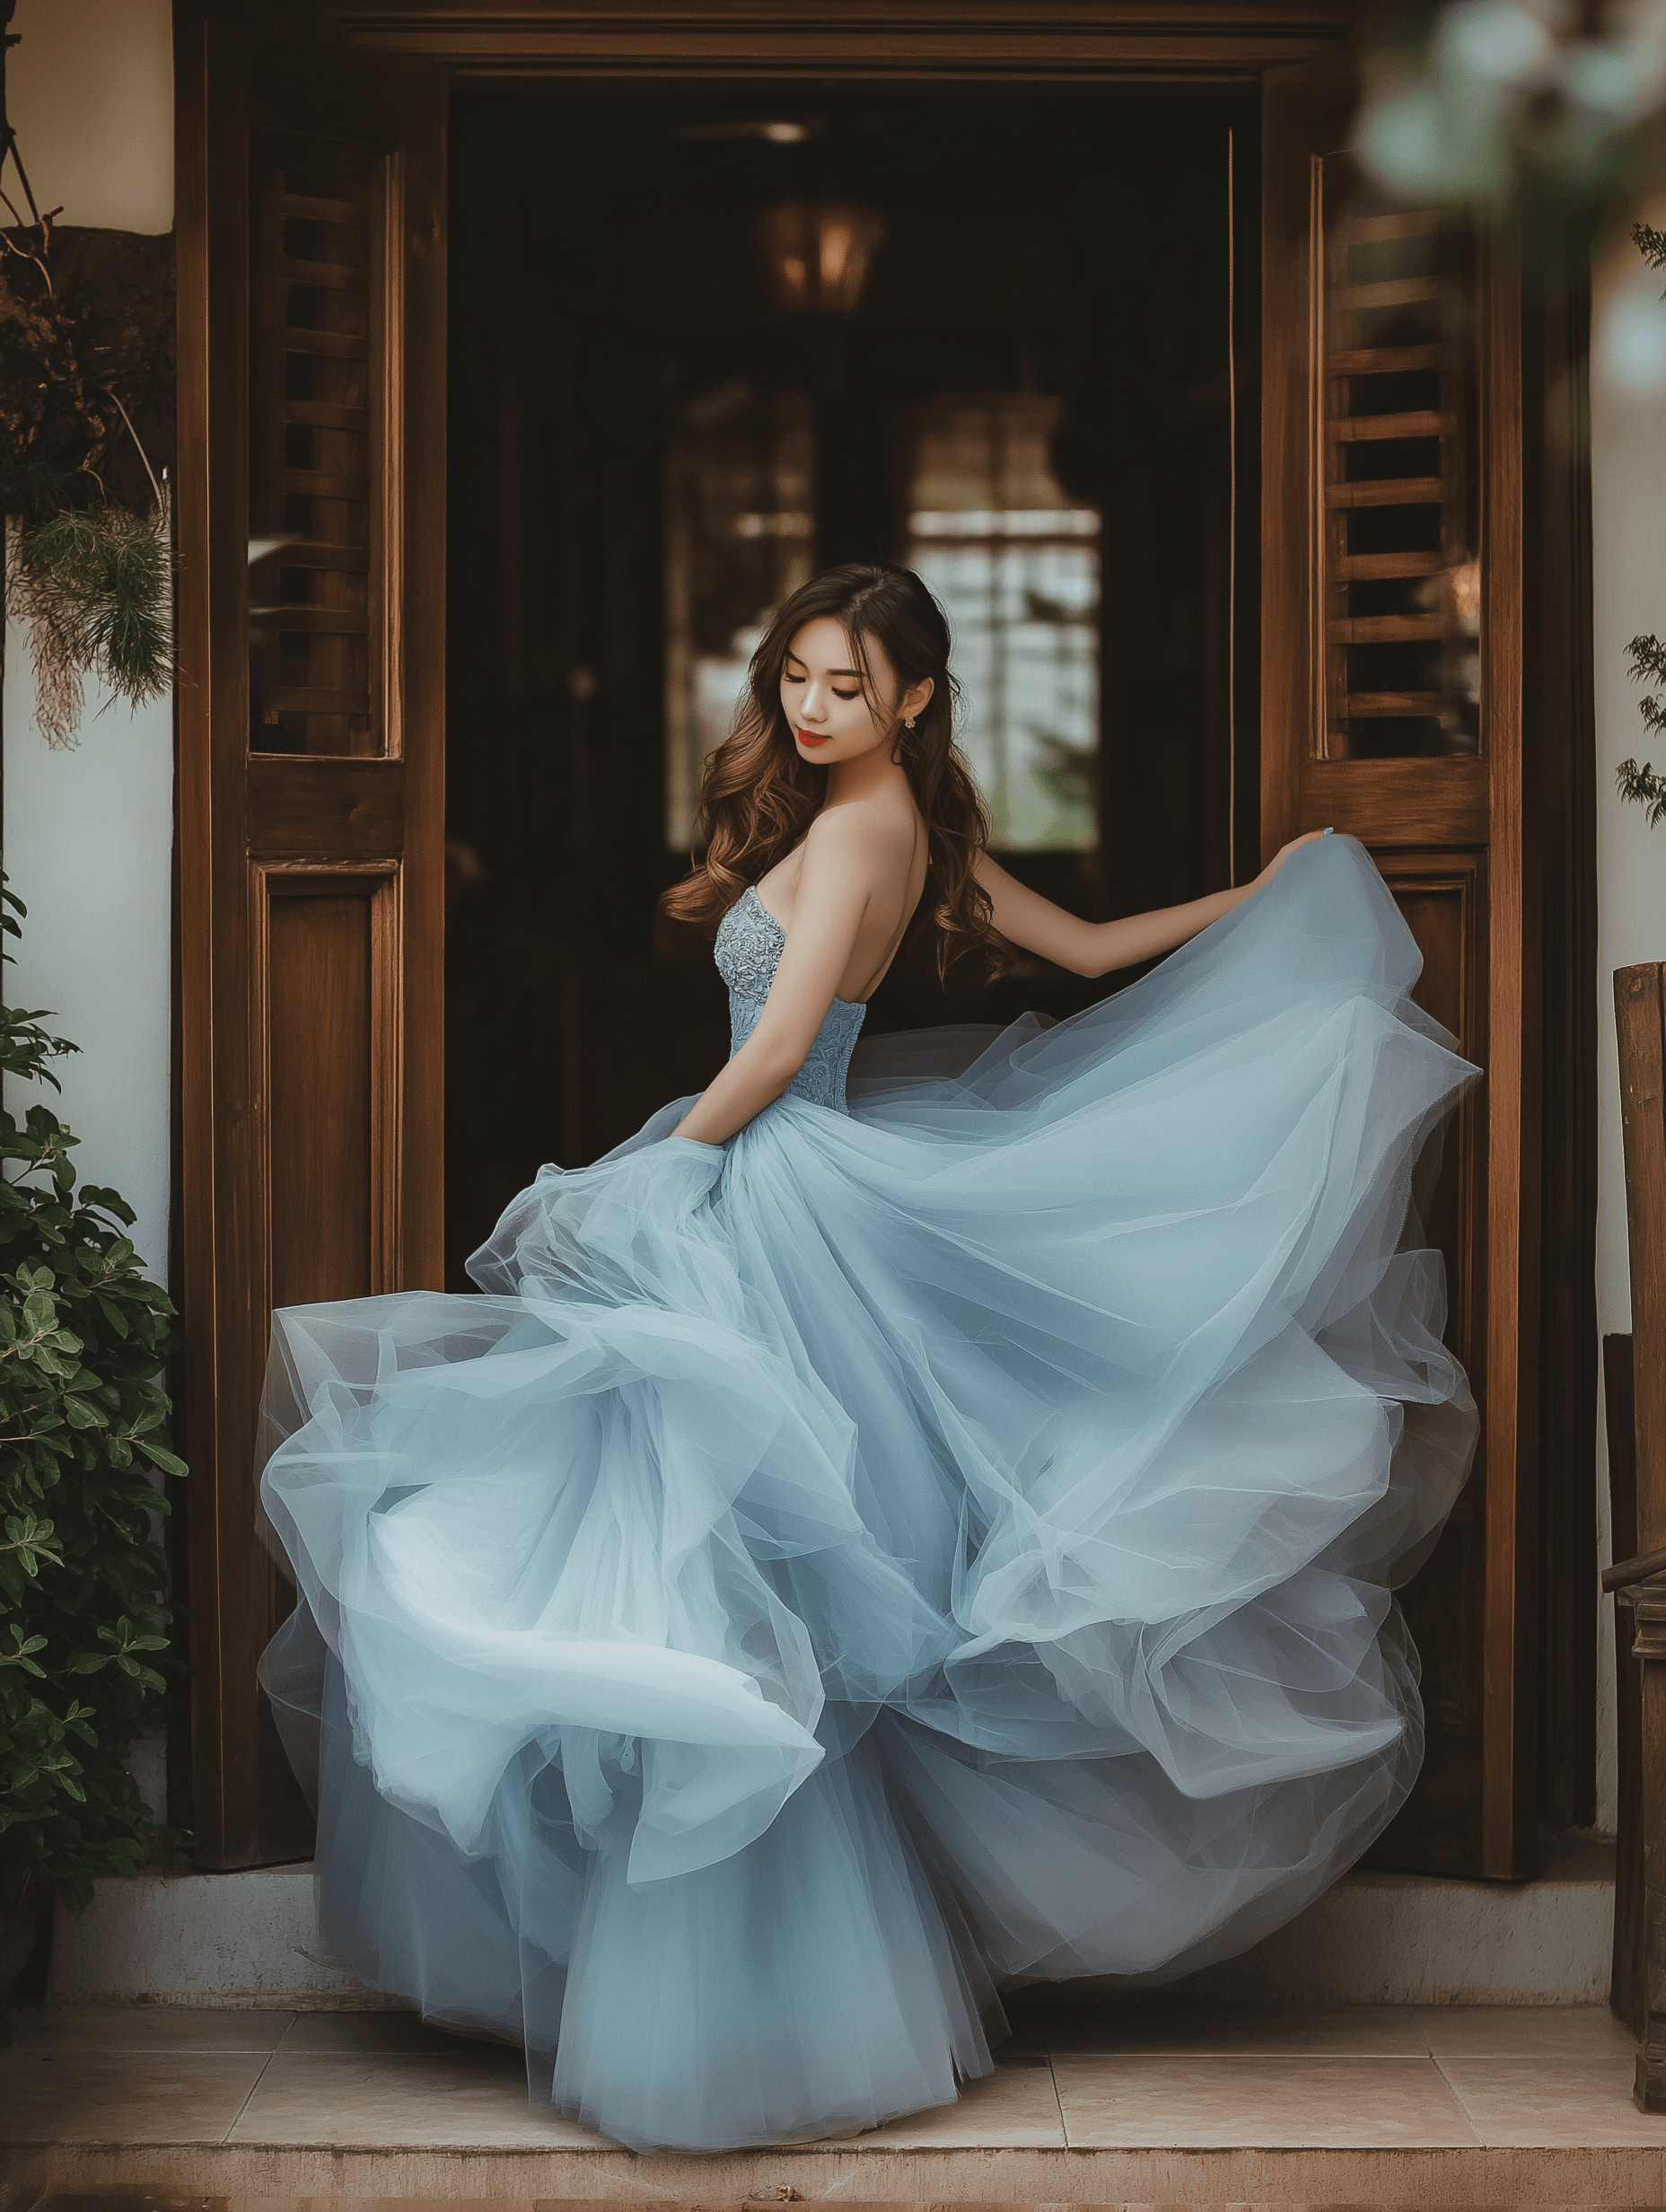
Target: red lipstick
810,737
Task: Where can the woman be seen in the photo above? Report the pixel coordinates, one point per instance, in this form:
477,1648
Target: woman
862,1551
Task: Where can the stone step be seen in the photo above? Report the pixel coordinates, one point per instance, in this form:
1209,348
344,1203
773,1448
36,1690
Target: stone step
175,1937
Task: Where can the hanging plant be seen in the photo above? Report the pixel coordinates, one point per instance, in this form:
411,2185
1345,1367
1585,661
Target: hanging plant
95,584
93,578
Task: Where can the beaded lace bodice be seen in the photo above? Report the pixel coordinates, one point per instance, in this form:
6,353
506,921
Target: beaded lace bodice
747,950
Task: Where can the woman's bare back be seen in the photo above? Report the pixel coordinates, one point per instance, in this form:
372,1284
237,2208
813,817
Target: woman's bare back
894,824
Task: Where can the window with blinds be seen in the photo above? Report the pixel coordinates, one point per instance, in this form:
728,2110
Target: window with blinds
1400,539
740,537
1014,562
314,678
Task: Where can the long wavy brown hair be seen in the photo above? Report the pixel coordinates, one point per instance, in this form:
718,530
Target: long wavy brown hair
758,797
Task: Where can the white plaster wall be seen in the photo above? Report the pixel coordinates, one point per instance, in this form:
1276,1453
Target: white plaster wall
90,91
1629,509
89,845
88,832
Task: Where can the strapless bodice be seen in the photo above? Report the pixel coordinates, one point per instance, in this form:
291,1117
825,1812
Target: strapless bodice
748,952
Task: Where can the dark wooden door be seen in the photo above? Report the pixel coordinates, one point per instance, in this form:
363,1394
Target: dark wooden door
311,526
1391,706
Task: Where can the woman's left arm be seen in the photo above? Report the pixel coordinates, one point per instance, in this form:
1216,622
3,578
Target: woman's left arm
1024,918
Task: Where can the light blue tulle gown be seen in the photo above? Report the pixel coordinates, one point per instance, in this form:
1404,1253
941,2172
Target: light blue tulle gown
939,1539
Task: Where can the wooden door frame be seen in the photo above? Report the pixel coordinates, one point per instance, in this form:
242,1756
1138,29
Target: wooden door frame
1016,46
995,44
256,826
1526,807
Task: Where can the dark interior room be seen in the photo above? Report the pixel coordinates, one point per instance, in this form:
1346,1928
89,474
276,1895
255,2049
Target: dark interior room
701,347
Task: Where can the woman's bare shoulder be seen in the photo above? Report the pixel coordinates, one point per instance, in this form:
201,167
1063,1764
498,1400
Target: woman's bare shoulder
877,829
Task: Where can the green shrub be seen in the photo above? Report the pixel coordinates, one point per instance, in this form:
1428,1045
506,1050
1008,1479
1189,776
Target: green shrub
84,1617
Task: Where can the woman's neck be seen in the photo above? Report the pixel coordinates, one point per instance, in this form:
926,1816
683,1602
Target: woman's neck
860,778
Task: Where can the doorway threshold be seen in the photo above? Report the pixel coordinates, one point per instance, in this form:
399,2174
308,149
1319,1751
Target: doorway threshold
177,1936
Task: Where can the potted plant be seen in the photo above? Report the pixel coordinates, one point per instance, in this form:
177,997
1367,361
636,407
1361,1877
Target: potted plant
84,1614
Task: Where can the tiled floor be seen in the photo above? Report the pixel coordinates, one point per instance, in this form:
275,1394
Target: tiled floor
250,2102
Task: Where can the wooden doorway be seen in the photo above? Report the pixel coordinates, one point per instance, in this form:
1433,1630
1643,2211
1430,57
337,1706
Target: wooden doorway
1525,1202
1028,398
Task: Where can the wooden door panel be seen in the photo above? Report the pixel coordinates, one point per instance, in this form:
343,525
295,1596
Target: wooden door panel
1443,896
346,810
329,979
1388,802
1392,649
320,1169
311,405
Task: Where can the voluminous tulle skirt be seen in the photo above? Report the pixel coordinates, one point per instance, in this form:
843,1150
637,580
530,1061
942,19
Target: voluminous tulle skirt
895,1556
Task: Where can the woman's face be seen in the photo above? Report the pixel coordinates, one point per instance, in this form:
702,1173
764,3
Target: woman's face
831,715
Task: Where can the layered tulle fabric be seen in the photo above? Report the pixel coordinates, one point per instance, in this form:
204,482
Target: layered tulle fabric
898,1553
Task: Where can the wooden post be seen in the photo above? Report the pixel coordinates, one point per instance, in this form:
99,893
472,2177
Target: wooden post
1626,1992
1640,1014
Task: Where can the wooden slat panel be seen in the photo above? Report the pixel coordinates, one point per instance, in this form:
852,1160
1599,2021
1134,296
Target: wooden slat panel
303,553
1366,630
320,621
339,345
1394,491
325,414
1369,567
1422,422
319,700
314,209
327,275
1393,804
322,483
1382,360
1406,223
1393,292
312,807
1387,704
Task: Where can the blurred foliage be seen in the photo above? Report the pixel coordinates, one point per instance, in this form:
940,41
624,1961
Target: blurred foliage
1540,108
1646,657
84,1648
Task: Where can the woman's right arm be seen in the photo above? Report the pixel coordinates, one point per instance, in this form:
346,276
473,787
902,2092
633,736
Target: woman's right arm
1024,918
834,887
